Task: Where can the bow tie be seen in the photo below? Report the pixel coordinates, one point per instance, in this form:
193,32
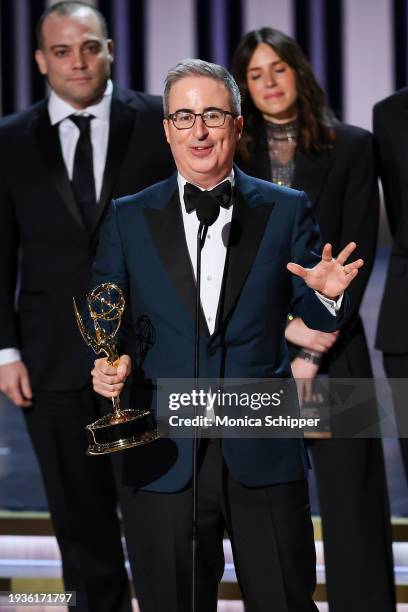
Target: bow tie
222,193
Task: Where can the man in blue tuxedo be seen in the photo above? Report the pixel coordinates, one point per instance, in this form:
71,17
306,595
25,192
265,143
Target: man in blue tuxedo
256,488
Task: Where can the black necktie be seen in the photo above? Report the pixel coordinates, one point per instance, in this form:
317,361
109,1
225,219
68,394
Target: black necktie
83,181
222,193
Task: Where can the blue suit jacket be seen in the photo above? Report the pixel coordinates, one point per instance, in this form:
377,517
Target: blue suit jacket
143,249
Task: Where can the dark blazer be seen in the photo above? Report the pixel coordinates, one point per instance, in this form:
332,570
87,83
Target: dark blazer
44,247
342,186
390,135
143,249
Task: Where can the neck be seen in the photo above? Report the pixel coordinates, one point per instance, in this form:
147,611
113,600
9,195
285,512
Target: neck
280,120
82,104
206,182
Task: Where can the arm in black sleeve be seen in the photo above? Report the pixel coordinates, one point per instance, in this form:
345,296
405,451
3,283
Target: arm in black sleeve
360,219
9,251
387,166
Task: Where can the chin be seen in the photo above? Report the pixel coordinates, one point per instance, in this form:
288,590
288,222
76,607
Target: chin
84,98
204,169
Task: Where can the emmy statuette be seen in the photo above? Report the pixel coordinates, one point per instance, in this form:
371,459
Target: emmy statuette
123,428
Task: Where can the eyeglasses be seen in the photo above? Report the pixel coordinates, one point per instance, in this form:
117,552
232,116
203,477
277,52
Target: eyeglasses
212,117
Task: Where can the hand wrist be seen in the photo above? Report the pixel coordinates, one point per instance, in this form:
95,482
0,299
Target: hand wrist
310,356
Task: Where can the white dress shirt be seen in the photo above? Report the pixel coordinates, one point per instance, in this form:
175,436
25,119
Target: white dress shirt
213,253
59,111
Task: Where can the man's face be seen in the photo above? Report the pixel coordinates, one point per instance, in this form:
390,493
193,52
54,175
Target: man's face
203,155
75,57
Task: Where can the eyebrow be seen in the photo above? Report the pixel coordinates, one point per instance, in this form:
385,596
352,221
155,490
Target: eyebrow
190,110
280,61
65,46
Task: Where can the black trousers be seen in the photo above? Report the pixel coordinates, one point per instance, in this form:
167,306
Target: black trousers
396,366
82,498
353,498
271,535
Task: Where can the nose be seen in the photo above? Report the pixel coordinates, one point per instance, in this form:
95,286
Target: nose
200,130
79,60
270,79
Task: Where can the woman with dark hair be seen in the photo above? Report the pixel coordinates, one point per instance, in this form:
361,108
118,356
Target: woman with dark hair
292,138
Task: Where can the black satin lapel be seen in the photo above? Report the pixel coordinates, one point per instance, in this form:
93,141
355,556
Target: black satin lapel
311,172
247,228
167,231
400,141
261,164
122,122
48,142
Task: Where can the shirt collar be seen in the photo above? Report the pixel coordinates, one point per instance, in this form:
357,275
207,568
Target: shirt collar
59,110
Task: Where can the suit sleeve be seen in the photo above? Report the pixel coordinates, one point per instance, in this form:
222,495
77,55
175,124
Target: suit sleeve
387,168
306,248
9,247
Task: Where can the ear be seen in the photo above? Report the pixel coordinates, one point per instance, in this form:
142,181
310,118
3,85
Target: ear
41,62
166,129
239,126
110,49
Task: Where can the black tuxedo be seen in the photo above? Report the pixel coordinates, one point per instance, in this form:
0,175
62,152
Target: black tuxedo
390,133
39,214
342,186
254,487
46,252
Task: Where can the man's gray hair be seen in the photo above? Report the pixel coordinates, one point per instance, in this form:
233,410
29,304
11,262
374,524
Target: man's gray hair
197,67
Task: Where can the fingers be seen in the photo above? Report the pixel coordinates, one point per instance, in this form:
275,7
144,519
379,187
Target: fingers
104,367
297,270
327,252
14,393
349,277
108,380
346,252
354,264
323,342
107,389
298,333
26,386
15,383
125,366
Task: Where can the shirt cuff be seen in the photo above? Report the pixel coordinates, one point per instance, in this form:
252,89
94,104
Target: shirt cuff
333,306
9,355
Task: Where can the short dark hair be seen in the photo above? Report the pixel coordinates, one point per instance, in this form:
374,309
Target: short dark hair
315,118
68,7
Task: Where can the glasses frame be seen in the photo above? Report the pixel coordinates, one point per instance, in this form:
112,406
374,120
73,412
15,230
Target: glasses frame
170,116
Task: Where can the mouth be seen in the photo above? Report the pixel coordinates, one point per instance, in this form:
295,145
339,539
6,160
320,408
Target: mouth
201,150
272,96
80,79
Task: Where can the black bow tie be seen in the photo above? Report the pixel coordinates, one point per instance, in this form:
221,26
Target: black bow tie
222,193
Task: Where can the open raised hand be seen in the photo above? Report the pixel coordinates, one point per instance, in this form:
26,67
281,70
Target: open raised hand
330,276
